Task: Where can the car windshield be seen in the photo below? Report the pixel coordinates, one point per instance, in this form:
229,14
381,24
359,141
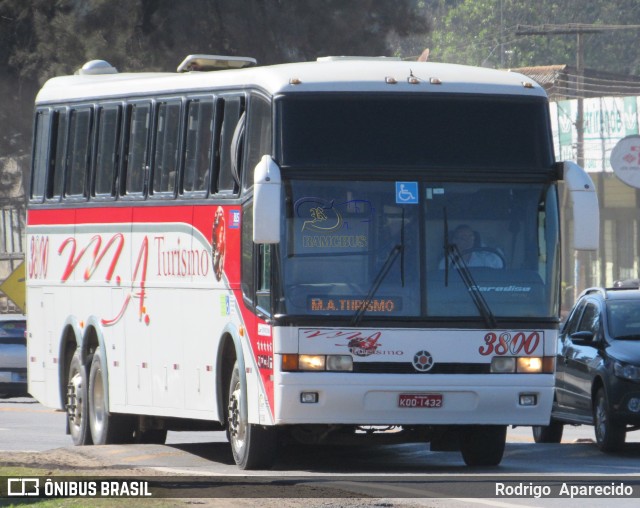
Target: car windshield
623,317
386,249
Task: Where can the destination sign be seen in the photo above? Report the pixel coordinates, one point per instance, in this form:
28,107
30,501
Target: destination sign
381,305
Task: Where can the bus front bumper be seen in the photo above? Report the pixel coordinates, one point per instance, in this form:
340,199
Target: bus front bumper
327,398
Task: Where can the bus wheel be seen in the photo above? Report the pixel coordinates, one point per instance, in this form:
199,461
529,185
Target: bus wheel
106,428
253,446
77,403
483,445
551,433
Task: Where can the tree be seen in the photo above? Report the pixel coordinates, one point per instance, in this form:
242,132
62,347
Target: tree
276,31
483,32
44,38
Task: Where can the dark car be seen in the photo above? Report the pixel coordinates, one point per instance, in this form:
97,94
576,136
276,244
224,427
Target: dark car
598,367
13,355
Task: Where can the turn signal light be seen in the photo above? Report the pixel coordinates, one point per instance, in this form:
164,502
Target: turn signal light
316,363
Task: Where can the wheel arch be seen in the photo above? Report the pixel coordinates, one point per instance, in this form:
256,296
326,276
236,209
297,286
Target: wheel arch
598,383
92,340
70,342
85,339
229,352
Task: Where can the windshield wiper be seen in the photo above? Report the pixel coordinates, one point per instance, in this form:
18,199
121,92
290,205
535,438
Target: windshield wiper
476,295
388,263
391,257
446,247
402,247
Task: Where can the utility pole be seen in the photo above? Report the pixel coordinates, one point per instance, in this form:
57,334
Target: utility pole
581,275
501,35
580,94
579,30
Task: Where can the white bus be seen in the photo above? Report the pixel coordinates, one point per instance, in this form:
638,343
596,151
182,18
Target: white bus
271,251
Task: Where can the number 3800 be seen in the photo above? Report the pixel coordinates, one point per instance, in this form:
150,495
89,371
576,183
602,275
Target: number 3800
506,343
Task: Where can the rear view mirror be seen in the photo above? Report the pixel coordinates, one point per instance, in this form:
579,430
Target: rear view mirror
267,206
586,214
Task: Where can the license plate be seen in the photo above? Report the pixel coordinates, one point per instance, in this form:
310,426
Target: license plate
430,400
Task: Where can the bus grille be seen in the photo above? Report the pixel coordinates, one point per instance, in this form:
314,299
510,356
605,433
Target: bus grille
407,368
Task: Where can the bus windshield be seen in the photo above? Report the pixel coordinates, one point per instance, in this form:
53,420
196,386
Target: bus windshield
383,249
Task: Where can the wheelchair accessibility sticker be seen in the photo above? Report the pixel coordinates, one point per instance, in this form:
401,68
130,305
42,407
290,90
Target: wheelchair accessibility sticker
407,193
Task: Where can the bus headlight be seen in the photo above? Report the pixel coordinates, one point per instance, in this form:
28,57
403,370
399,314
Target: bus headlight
311,362
531,365
340,362
500,364
523,364
316,363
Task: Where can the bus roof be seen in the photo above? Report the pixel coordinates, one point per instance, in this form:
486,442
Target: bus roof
335,74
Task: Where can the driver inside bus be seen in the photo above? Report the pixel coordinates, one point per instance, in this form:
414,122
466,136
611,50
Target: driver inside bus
471,250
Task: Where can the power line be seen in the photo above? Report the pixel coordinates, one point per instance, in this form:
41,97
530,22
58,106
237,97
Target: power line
578,29
570,28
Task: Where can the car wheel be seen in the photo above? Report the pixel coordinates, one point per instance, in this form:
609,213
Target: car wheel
483,445
610,435
253,446
77,405
551,433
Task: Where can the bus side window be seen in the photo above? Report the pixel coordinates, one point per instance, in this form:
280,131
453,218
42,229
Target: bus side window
218,119
263,289
255,265
137,159
167,147
60,131
107,151
257,138
233,109
248,254
41,164
78,160
198,146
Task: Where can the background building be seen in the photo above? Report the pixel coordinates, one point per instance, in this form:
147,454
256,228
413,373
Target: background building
590,113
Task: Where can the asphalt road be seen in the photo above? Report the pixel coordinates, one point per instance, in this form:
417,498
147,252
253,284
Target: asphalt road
385,471
26,425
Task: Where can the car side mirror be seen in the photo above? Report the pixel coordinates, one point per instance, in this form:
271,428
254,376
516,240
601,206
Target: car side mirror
582,338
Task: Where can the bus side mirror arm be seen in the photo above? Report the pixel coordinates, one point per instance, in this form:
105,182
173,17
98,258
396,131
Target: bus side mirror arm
267,205
584,200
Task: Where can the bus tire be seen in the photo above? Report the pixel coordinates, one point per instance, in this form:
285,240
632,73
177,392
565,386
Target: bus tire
77,404
483,445
551,433
106,428
253,446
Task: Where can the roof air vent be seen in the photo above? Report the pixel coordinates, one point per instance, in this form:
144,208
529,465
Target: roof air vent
96,67
215,63
338,58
